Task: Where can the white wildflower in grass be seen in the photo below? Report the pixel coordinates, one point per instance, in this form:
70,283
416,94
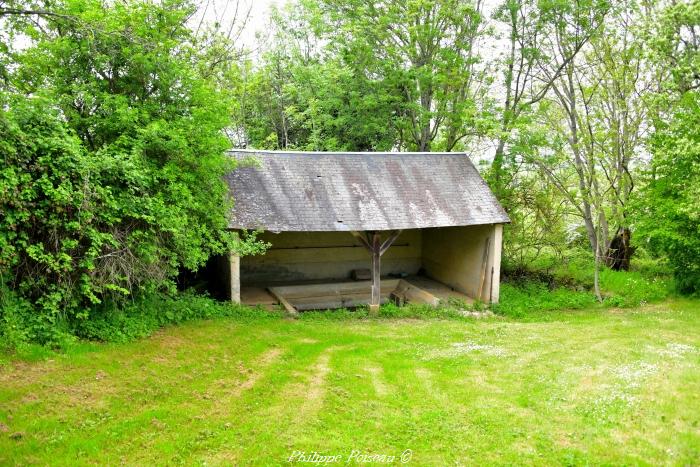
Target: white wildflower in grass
675,350
634,374
468,347
606,408
463,348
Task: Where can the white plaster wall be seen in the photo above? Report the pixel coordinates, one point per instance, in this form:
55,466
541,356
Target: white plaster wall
454,256
298,256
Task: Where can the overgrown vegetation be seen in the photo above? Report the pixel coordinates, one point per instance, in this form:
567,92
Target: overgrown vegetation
670,202
112,138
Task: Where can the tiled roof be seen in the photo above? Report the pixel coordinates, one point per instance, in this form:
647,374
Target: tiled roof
324,191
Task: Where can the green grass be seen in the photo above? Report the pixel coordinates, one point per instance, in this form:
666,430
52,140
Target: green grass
555,284
592,386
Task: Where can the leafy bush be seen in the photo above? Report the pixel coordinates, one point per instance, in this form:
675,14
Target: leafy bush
113,160
518,301
21,325
670,204
144,316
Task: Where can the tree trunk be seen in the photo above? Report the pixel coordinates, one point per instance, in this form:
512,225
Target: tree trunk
498,158
596,278
620,251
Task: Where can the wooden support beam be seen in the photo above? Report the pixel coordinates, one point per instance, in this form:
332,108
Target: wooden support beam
389,241
373,242
376,273
234,277
362,239
283,301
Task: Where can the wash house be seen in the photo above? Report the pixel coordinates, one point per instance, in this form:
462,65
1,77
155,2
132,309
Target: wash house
348,229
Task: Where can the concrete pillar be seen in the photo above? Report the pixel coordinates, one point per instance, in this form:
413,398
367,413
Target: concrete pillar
495,266
234,262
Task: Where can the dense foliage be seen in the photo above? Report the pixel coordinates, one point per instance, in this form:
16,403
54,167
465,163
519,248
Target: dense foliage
113,157
670,218
669,214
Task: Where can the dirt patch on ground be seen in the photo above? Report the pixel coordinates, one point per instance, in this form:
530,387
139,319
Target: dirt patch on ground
44,383
167,339
643,308
376,374
261,364
304,397
316,387
306,340
227,390
425,376
21,373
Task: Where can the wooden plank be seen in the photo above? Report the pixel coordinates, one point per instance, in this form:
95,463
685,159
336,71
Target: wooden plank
287,306
356,254
326,303
292,292
407,292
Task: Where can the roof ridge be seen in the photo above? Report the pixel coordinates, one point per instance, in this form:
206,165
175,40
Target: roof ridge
343,153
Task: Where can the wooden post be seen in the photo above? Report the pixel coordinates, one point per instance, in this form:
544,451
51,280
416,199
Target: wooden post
376,273
373,243
289,308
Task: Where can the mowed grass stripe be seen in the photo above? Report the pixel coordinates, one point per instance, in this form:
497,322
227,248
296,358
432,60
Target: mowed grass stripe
586,387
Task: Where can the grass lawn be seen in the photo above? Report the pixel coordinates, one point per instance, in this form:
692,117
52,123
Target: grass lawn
580,387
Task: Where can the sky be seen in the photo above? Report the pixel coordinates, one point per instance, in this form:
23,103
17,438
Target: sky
257,24
255,12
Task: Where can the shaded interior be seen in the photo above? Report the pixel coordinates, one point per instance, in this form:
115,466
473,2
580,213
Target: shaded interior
456,262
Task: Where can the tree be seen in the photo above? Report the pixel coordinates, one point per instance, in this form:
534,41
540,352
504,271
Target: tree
529,26
135,192
298,97
597,111
425,53
669,214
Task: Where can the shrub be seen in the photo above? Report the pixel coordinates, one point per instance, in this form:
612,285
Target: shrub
20,325
518,301
112,175
670,203
145,315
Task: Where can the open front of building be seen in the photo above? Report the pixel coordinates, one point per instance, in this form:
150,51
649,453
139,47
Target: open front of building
465,260
438,230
